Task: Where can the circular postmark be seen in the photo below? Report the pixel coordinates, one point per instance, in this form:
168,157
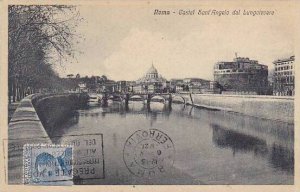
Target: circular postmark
148,153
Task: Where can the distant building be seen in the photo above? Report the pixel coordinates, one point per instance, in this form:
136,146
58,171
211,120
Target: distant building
138,89
176,85
241,76
198,85
151,77
193,85
109,86
195,81
151,82
122,86
130,85
178,88
81,88
284,77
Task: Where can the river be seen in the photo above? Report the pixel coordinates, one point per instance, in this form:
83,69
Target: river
210,147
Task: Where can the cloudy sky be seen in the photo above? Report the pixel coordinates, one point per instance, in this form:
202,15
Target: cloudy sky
122,42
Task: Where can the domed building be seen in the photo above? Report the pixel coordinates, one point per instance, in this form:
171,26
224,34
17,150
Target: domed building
150,82
151,76
152,73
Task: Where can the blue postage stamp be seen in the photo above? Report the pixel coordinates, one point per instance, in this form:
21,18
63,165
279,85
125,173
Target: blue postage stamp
47,164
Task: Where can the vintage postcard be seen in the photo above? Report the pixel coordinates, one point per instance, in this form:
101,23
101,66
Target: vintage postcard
123,95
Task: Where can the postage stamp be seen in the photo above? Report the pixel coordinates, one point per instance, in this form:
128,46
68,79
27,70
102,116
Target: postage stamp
13,152
46,163
148,153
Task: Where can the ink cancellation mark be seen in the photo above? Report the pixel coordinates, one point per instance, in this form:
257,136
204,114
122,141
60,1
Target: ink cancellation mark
88,156
148,153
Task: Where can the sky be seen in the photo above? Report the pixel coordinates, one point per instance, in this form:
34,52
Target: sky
123,42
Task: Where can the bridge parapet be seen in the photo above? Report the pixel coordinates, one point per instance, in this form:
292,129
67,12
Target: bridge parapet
138,96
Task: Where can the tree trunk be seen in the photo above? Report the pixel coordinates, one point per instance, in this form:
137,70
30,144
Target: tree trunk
14,90
18,91
9,91
21,92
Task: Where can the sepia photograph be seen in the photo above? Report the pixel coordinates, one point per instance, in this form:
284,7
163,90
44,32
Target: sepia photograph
150,93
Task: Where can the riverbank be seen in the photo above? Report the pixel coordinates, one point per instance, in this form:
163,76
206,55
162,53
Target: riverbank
53,110
32,123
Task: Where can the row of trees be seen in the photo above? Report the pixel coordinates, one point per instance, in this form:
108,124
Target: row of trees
92,82
40,37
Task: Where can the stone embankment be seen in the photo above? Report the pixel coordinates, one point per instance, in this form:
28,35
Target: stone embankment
33,123
267,107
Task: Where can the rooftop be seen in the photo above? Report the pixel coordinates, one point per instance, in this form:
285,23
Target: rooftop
291,58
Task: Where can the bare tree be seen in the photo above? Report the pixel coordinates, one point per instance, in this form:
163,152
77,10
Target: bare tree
39,37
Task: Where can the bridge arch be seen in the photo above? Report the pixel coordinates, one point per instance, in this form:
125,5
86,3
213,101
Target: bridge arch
114,97
158,97
178,98
136,98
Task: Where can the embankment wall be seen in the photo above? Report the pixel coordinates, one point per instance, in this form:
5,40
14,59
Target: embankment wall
33,123
268,107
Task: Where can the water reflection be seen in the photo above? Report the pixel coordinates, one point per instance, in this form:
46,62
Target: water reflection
278,156
204,139
238,142
272,131
281,157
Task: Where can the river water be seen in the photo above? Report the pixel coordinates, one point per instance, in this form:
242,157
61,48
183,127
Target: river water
210,147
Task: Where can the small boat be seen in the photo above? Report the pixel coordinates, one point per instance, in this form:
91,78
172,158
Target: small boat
94,99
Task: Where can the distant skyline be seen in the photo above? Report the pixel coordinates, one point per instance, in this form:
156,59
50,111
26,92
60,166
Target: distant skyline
122,43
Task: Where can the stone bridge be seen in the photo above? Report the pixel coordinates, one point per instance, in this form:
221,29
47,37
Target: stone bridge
146,97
